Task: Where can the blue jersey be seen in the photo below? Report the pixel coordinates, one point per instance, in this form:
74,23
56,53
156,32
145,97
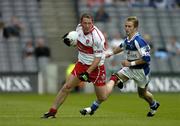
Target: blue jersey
135,49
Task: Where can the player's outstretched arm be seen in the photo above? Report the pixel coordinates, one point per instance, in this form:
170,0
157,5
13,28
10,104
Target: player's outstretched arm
114,52
70,38
66,40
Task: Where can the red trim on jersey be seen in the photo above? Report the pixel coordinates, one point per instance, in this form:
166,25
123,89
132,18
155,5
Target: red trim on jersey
98,34
92,39
106,45
85,49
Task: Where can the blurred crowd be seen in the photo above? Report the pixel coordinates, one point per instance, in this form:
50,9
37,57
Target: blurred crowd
34,49
102,18
166,4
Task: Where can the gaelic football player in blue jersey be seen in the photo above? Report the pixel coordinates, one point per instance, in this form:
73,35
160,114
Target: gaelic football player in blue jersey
135,67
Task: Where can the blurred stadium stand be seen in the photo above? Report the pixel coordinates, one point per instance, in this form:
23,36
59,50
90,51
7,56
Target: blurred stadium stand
53,18
59,17
49,19
159,23
11,49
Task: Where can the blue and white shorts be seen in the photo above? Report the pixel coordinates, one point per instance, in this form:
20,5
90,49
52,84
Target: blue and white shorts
137,75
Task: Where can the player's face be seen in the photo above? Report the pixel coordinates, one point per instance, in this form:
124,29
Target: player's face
129,28
87,24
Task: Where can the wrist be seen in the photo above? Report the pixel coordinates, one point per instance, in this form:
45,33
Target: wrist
87,72
84,76
133,63
111,53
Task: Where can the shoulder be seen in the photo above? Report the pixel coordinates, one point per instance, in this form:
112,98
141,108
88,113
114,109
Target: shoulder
78,27
97,34
140,41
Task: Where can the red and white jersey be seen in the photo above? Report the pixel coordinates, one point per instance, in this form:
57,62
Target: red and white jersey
90,45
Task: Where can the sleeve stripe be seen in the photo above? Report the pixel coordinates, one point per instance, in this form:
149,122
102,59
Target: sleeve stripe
98,34
137,46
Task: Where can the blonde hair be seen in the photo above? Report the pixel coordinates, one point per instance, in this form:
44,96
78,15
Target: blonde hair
134,20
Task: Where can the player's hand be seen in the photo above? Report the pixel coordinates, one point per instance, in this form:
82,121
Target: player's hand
84,76
107,55
66,40
126,63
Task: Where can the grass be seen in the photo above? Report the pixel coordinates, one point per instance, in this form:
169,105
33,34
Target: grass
119,110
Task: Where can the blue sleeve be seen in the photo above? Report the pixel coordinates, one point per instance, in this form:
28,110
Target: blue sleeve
122,45
143,48
146,58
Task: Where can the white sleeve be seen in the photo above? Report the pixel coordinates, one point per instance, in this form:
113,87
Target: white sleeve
78,27
98,46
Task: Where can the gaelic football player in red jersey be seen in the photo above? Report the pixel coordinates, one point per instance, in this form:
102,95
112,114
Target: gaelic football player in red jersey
89,67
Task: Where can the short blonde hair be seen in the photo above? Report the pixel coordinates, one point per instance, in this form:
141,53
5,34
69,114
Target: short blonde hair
134,20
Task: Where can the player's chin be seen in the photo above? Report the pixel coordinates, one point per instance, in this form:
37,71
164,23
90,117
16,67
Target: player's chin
86,31
127,33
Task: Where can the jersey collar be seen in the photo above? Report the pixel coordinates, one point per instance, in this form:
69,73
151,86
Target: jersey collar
136,34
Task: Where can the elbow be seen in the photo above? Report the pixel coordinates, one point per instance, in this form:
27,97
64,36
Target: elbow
146,58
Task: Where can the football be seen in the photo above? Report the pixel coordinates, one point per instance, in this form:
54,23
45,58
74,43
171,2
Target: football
73,37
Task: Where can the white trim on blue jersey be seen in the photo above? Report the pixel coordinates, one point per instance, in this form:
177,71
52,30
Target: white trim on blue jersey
136,48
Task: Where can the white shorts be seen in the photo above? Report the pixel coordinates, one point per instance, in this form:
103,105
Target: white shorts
137,75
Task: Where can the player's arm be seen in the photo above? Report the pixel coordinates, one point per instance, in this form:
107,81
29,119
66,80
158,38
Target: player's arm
114,51
117,50
66,37
139,61
85,75
144,51
94,64
127,63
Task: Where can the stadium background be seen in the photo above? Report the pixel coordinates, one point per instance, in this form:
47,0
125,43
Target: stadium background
49,20
22,79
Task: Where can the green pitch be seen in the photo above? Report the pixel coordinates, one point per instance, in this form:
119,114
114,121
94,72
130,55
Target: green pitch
119,110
